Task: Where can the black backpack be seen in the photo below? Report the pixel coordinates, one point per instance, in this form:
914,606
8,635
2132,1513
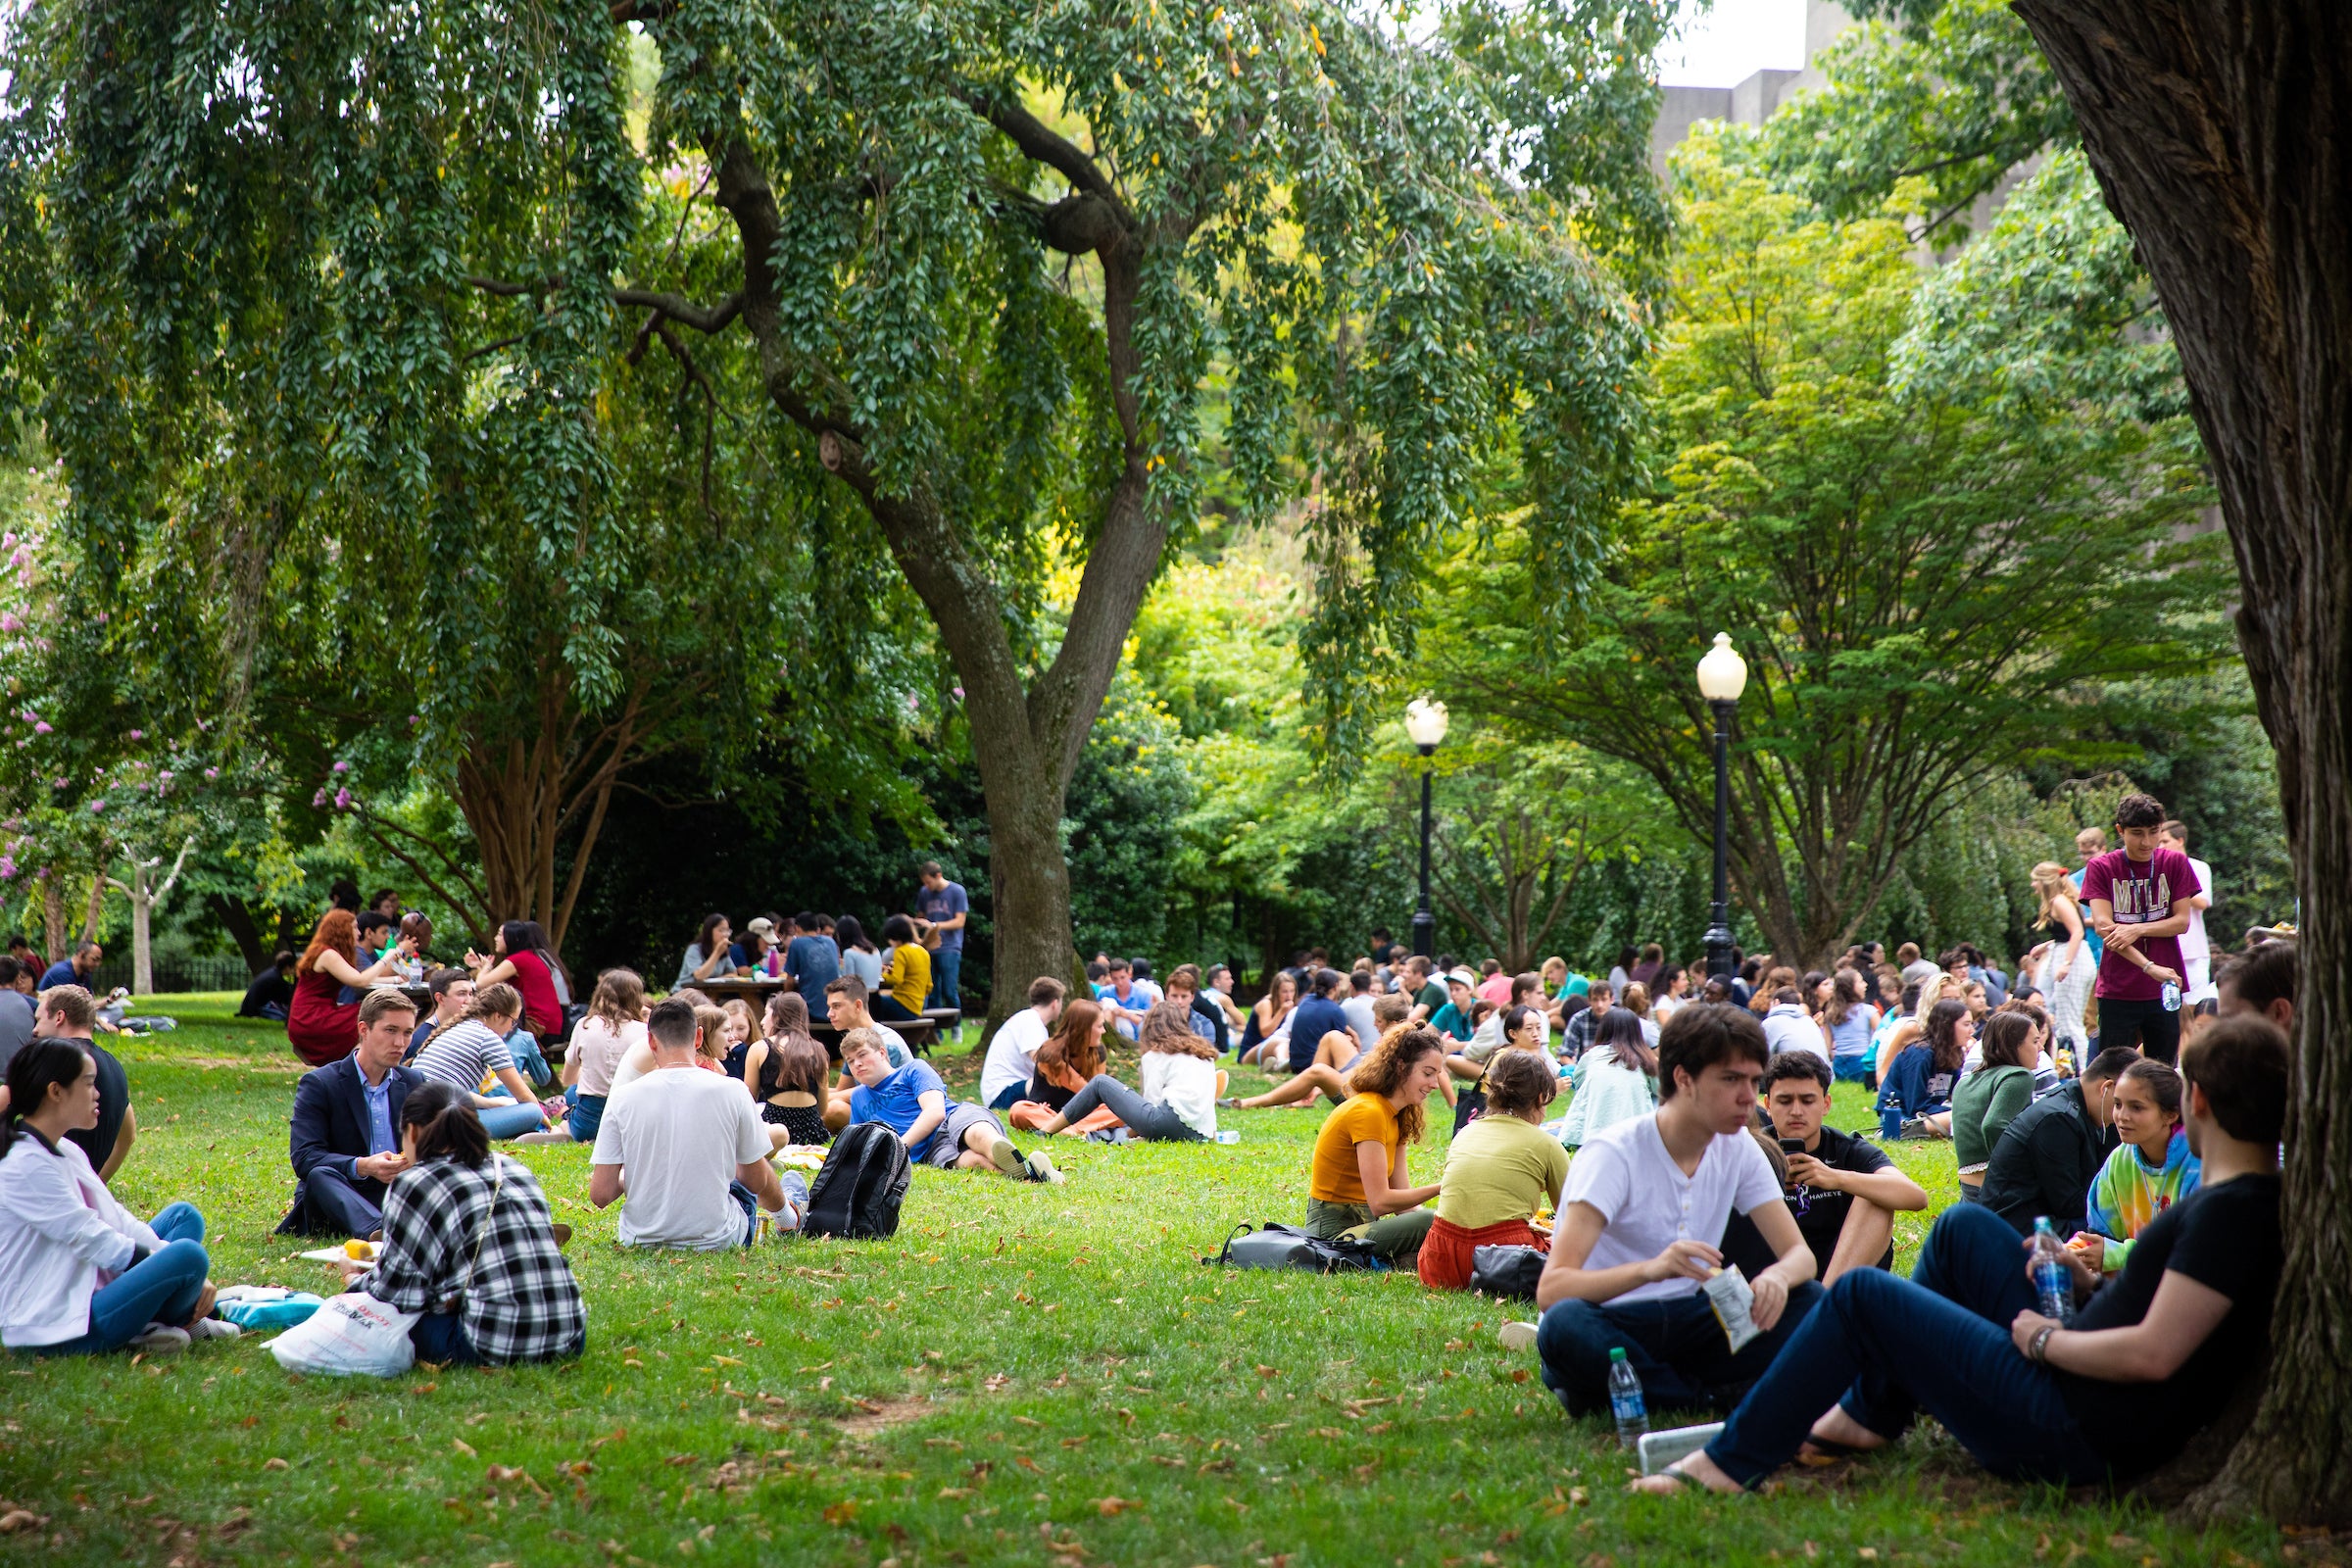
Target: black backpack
864,1180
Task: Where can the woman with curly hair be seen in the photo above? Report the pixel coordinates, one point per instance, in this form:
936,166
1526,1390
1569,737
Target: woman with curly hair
1358,1183
320,1026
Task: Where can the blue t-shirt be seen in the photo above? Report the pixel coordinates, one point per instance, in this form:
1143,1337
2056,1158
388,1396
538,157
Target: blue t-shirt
946,904
897,1101
815,964
2091,936
61,973
1314,1018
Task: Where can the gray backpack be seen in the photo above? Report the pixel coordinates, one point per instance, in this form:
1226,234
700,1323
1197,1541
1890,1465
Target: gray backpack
1287,1246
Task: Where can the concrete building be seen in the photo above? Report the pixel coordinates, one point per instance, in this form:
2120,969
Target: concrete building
1753,101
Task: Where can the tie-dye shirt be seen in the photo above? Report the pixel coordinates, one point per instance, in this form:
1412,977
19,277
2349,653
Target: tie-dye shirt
2128,1194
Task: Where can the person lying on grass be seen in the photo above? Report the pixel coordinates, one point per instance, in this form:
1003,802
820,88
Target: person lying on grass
1178,1102
468,1243
1357,1185
1499,1170
1641,1225
2150,1170
2150,1360
943,1133
1335,1061
61,1231
686,1146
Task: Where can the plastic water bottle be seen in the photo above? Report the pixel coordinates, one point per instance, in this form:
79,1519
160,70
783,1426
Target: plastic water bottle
1625,1401
2053,1281
1228,1134
2171,995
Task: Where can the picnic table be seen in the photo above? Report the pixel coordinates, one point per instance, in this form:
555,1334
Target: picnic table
919,1034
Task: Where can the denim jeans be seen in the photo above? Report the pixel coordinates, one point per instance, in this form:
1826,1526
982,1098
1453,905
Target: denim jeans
1145,1118
1886,1347
440,1337
587,1115
523,1046
1676,1346
946,965
162,1287
1008,1096
507,1120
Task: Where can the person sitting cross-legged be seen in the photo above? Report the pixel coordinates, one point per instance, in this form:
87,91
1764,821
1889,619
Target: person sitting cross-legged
474,1049
944,1134
2151,1358
1500,1172
469,1245
2051,1152
344,1140
1641,1224
1178,1101
1336,1060
1842,1192
1357,1185
688,1149
79,1274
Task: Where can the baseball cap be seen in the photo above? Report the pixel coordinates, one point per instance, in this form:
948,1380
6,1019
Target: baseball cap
761,927
1460,976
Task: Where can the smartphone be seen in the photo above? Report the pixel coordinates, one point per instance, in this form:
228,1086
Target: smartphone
1793,1146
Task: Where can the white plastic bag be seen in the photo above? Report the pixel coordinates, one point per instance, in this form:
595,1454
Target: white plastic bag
352,1335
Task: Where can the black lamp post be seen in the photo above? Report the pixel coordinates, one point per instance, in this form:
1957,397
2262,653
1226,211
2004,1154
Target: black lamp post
1722,677
1425,723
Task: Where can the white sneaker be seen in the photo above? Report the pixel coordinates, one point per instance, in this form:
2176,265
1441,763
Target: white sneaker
160,1339
1040,1167
1517,1336
213,1328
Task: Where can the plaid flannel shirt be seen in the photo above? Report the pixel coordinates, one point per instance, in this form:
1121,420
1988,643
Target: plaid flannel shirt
521,1303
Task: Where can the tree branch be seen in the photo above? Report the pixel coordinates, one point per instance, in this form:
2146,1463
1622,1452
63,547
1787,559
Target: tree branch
1040,144
703,319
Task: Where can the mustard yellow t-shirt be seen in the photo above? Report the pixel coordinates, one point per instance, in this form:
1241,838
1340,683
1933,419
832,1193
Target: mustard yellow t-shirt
908,977
1335,1176
1500,1170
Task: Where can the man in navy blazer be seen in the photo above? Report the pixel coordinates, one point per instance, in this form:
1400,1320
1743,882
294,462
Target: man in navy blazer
346,1142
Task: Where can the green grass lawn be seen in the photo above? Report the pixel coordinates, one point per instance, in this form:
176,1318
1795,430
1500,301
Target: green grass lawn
1023,1374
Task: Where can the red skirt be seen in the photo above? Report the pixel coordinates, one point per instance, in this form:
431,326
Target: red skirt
1445,1252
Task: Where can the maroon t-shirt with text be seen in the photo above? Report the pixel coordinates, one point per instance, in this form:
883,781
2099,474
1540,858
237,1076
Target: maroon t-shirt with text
2142,891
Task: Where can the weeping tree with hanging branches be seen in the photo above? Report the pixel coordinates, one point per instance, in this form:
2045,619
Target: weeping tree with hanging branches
981,292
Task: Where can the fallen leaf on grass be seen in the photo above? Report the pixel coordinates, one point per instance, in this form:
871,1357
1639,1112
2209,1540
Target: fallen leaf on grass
275,1463
1112,1507
18,1520
840,1514
1265,1371
955,1492
464,1448
996,1381
1024,1461
1072,1442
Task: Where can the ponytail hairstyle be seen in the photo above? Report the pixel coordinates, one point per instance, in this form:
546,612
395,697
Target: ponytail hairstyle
445,1126
1384,1072
619,998
2164,1083
414,924
36,1065
500,1001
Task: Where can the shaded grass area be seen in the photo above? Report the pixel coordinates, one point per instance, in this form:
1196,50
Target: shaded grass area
1022,1375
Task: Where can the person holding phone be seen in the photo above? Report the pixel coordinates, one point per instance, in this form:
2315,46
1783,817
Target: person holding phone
1843,1193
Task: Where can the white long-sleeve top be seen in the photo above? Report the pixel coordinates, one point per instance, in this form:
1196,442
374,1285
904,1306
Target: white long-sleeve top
60,1232
1187,1085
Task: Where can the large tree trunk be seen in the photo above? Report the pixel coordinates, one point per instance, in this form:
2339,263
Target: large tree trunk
53,916
2219,133
246,932
1027,735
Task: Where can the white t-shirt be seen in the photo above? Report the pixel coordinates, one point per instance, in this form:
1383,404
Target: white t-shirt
1187,1085
679,1133
1646,1204
1359,1020
1013,1054
2195,944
